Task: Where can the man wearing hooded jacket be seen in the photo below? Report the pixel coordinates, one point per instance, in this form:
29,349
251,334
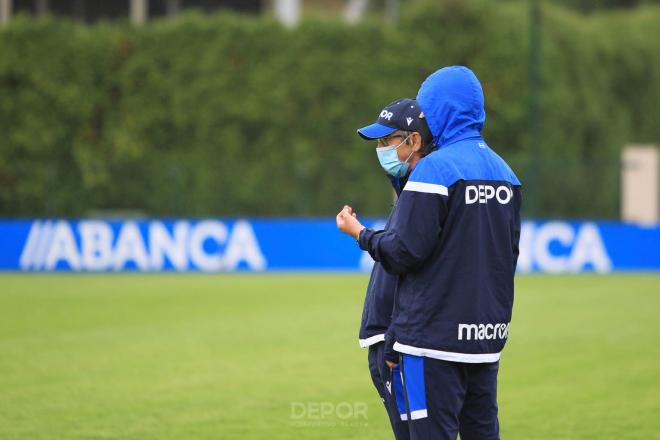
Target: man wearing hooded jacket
453,241
402,139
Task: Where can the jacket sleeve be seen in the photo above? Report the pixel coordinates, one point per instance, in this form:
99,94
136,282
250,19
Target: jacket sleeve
388,352
516,227
414,231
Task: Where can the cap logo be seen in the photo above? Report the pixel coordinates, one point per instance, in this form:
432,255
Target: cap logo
386,115
409,120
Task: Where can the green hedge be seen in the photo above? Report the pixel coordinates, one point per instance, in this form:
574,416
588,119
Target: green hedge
229,115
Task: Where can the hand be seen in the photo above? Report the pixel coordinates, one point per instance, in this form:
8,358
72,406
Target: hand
391,364
348,223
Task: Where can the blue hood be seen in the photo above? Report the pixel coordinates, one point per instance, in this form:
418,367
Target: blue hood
453,103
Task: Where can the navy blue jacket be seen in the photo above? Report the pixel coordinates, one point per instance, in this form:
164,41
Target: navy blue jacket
453,235
378,302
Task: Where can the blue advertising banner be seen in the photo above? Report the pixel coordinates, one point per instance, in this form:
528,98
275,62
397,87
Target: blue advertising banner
214,245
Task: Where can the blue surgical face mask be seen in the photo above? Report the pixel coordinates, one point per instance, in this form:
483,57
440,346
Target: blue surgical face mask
389,160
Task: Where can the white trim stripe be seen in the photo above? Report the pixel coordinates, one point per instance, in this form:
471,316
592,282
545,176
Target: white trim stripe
419,414
448,355
430,188
415,415
364,343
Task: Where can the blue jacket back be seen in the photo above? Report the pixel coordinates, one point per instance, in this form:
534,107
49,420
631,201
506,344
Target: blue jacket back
453,235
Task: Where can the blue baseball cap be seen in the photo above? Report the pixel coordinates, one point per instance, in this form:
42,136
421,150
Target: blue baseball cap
402,114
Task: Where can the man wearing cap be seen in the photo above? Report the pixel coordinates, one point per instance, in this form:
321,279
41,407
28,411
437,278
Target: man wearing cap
403,138
453,240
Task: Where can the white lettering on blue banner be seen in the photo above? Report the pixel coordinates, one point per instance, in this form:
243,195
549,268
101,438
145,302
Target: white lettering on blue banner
559,247
91,245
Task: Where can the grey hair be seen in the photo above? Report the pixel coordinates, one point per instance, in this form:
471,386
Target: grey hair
427,144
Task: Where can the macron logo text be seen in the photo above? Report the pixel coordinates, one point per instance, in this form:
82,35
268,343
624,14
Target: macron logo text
482,332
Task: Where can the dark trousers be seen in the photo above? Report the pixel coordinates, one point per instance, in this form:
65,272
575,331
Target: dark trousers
445,398
389,385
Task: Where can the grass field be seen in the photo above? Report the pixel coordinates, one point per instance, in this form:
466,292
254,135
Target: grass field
229,356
